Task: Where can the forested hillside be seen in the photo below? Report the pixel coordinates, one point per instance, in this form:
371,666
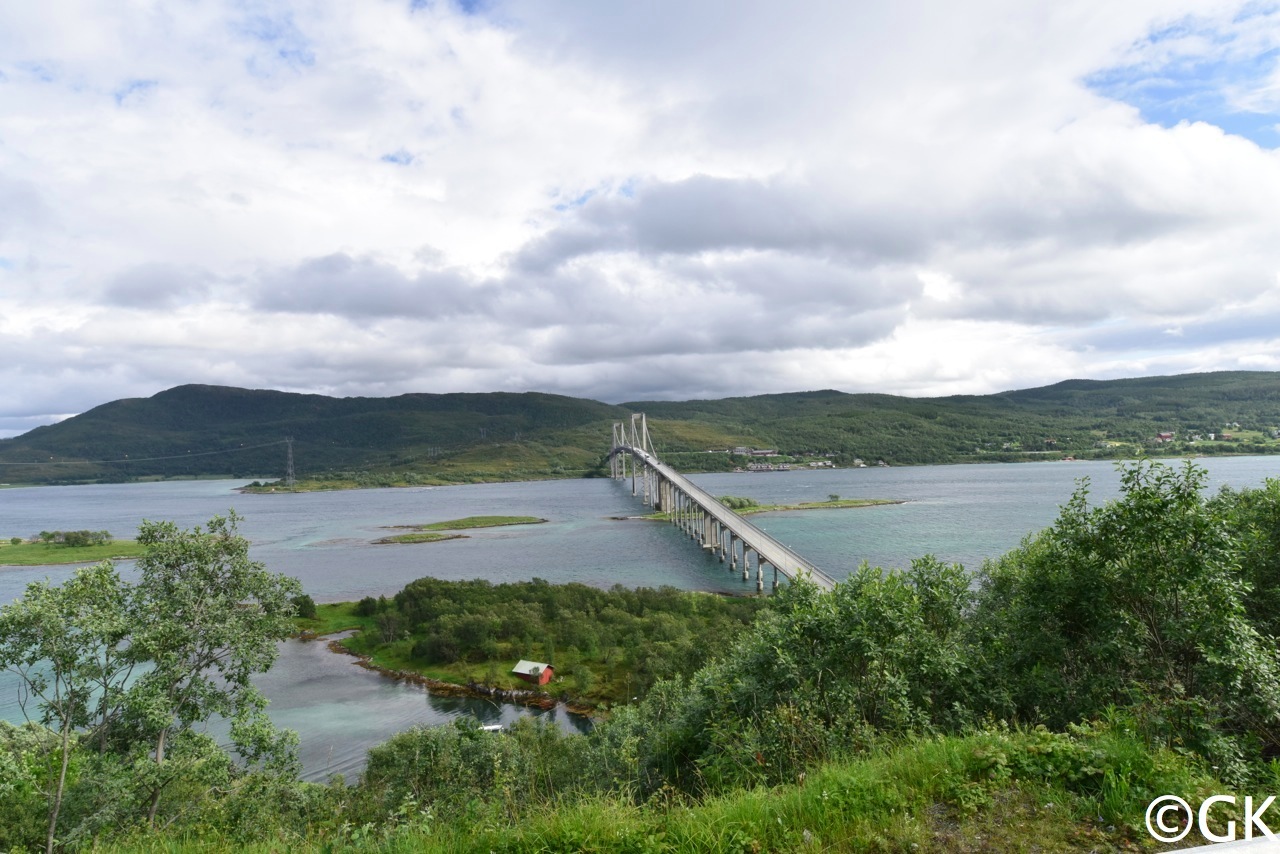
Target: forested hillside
453,438
199,430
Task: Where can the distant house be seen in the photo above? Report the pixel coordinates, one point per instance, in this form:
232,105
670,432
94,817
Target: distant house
1164,437
533,672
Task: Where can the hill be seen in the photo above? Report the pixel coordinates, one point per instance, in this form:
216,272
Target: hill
199,430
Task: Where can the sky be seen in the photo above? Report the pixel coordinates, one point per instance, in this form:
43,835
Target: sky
630,201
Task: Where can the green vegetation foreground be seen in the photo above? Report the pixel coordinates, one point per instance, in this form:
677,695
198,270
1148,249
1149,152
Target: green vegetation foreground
1126,652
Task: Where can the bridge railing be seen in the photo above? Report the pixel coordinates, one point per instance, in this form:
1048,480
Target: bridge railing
755,536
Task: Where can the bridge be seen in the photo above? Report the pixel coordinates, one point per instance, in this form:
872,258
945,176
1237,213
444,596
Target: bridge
696,512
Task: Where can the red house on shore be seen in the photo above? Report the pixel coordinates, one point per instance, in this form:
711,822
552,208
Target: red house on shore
533,672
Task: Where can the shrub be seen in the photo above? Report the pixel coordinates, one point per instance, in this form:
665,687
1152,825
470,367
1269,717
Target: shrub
305,605
1137,604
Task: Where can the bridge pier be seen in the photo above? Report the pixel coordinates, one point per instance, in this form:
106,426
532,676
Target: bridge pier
696,512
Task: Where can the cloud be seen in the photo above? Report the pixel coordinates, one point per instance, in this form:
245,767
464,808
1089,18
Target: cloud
361,288
157,286
649,200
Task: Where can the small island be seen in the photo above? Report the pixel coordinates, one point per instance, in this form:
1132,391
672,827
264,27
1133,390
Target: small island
747,506
52,548
435,532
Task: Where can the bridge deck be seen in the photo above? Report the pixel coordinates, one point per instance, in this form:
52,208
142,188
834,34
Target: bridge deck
769,549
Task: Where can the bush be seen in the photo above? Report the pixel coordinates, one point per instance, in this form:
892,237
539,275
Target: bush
738,502
1137,604
437,649
305,606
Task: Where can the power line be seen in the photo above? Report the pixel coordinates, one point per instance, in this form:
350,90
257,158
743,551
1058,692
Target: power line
126,459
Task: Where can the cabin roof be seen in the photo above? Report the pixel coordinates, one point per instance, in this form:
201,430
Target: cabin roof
528,667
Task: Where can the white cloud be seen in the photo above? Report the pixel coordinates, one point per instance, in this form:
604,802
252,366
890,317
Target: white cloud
656,199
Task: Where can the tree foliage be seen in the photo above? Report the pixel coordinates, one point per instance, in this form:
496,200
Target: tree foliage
1139,603
617,642
121,673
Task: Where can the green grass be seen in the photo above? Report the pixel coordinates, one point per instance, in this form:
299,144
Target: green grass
996,791
609,686
434,532
334,617
49,554
480,522
808,505
823,505
419,537
1015,791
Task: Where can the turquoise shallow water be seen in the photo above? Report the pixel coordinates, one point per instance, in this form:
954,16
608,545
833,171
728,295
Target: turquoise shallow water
958,513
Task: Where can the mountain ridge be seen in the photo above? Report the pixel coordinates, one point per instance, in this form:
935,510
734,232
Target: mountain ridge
207,430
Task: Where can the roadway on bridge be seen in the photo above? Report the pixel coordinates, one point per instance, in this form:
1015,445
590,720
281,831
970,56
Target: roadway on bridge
769,549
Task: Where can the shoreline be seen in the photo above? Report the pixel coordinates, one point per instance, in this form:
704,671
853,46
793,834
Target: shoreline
1050,457
516,697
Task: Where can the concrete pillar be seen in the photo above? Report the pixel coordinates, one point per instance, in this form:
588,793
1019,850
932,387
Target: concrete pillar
759,574
746,562
775,579
733,551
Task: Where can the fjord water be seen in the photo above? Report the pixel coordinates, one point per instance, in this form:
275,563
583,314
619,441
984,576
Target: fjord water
962,513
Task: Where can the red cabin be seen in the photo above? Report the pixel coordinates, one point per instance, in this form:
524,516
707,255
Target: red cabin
533,672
